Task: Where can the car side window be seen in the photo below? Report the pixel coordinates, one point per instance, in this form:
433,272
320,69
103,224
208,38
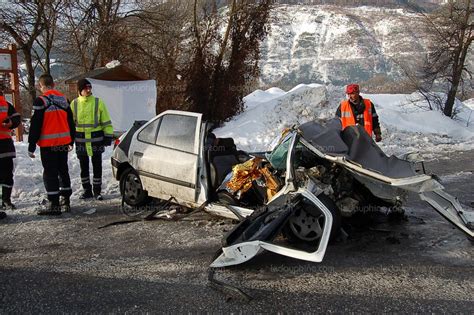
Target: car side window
177,132
148,134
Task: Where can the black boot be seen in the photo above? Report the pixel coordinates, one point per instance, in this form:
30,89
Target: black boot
97,189
3,215
86,194
50,208
65,203
6,199
8,205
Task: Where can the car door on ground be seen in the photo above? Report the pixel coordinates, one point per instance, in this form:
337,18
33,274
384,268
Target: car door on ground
166,156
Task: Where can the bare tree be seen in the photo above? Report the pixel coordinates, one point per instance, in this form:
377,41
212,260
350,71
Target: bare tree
159,35
452,31
46,40
23,21
225,62
93,33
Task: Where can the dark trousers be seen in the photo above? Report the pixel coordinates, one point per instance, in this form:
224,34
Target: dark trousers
96,169
56,172
6,177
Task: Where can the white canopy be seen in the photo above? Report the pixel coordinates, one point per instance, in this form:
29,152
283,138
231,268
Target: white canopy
126,101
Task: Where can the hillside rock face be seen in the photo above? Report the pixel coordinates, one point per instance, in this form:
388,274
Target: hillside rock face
331,44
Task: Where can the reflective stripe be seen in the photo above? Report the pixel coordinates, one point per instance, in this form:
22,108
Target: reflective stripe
38,107
8,133
75,111
64,188
3,109
86,125
7,154
6,186
15,114
97,180
82,140
55,135
345,114
52,192
96,113
106,123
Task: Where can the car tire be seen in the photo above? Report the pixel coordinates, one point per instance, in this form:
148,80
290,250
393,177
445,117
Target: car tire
226,198
131,189
293,229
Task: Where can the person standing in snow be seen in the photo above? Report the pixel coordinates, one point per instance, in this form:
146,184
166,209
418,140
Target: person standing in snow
360,111
52,129
9,120
94,132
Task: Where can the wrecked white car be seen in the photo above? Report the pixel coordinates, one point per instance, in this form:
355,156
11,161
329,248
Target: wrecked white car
290,201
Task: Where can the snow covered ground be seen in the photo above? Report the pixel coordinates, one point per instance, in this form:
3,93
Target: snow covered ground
29,188
406,127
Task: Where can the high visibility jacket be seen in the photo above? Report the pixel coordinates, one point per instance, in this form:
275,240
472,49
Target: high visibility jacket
348,119
92,121
7,111
55,129
5,133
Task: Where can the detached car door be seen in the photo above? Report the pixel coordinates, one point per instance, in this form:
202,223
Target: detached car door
167,155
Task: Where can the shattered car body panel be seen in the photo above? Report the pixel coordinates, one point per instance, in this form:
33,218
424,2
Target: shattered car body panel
294,192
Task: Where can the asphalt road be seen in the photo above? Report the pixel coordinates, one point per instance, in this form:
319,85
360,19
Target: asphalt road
68,265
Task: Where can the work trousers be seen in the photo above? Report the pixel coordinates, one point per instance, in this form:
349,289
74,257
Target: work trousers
96,169
56,172
6,177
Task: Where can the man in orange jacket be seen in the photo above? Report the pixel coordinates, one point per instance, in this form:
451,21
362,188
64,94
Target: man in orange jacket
9,120
360,111
52,129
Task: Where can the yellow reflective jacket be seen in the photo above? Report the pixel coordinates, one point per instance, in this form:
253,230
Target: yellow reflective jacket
92,121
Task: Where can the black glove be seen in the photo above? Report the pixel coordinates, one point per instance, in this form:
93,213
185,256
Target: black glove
378,135
107,141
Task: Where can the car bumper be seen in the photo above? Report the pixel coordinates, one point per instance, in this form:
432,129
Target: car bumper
115,164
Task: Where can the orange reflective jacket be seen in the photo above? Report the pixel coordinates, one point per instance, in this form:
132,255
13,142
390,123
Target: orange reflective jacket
5,133
55,130
348,119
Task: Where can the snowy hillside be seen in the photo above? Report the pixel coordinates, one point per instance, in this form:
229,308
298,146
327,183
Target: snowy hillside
334,44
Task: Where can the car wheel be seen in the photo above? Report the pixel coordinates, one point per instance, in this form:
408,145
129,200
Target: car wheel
307,222
131,189
226,198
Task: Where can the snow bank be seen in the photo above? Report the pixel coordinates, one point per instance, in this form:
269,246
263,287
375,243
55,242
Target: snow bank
269,112
469,103
410,113
407,124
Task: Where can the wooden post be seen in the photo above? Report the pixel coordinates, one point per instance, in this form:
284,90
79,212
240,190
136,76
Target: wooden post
15,89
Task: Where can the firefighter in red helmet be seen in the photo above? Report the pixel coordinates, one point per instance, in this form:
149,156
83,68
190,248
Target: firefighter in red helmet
360,111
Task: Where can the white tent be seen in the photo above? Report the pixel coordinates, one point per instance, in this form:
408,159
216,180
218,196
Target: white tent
126,101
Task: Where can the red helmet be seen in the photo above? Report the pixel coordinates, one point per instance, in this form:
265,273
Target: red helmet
352,88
